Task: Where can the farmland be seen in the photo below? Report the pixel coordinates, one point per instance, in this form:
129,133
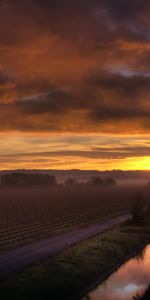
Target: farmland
31,214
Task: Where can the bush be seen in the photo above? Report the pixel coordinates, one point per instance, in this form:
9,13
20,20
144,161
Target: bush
139,208
110,182
96,181
70,182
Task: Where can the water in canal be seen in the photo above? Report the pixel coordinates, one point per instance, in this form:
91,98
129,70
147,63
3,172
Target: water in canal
130,279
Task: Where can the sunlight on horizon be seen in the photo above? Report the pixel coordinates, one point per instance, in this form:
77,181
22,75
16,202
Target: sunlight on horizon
61,163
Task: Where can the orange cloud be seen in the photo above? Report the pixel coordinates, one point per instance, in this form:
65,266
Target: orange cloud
78,68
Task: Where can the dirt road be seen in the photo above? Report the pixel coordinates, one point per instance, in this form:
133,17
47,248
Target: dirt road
17,260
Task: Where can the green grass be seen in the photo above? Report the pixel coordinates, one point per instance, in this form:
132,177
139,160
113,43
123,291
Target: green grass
75,270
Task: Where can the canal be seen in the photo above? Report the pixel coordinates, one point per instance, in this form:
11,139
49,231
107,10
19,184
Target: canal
130,279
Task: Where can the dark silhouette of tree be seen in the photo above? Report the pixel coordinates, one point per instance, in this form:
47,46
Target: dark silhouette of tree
27,179
95,182
139,208
110,182
70,182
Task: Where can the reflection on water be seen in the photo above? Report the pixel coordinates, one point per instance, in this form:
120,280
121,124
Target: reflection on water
131,279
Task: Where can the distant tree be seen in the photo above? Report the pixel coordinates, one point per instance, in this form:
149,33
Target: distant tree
139,208
148,213
110,182
27,179
95,181
51,180
70,182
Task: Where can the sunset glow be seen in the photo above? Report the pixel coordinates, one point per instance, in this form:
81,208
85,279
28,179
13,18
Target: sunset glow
75,84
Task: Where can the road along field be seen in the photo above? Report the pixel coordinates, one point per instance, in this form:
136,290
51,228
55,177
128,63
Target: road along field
32,214
18,259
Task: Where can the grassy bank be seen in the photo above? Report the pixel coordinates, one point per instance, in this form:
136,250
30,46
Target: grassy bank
71,273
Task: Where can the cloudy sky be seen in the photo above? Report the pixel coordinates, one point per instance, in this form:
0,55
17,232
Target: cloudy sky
75,84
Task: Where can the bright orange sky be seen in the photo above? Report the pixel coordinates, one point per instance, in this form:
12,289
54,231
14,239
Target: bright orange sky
75,84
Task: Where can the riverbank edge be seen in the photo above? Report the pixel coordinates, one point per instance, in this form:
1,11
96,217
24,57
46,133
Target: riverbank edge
145,295
74,264
103,278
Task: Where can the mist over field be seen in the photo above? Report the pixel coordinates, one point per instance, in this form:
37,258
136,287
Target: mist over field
35,205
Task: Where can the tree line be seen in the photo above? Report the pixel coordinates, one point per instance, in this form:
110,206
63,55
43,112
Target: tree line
26,179
37,179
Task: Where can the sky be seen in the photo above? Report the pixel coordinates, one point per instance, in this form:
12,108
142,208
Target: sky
75,84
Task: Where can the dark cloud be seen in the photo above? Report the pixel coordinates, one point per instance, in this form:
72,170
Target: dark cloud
94,153
127,9
98,19
127,85
54,101
5,78
75,20
123,101
64,57
101,97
